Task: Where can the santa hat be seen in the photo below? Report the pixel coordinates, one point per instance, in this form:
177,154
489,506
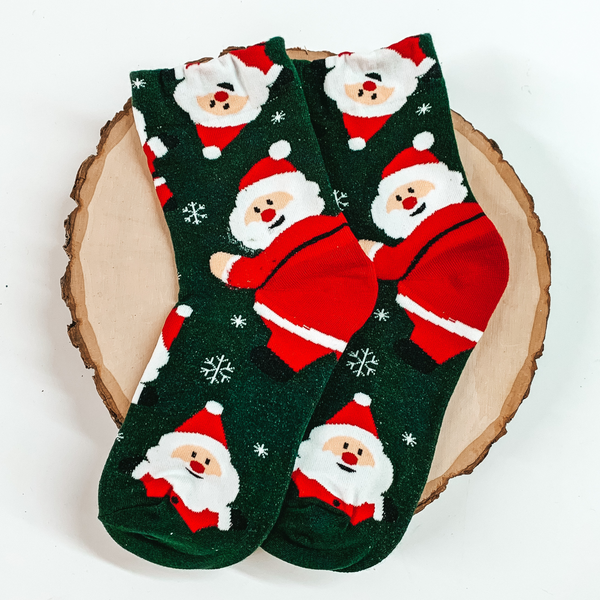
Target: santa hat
356,413
417,154
274,164
206,422
173,324
410,48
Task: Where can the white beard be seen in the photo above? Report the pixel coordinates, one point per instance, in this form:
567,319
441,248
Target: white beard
306,202
397,72
202,79
449,189
366,484
212,492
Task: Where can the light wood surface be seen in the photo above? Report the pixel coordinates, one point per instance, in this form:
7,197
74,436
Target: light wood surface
121,282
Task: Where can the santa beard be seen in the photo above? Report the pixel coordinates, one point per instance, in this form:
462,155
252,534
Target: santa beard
399,223
210,493
258,235
397,72
202,79
365,485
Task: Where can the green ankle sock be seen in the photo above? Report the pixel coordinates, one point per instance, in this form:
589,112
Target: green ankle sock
272,286
385,131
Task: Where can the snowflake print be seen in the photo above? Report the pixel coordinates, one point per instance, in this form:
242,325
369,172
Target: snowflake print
119,436
339,197
423,109
238,321
409,439
194,216
363,363
138,83
381,315
278,117
218,369
261,450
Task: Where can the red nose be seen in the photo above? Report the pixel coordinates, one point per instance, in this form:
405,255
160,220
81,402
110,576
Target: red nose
409,202
197,467
268,215
349,458
221,96
370,86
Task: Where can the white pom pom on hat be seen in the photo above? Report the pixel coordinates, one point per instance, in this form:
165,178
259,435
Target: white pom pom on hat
423,141
214,407
280,149
362,399
183,310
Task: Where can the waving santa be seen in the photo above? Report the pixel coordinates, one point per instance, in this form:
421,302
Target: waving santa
224,94
343,463
314,286
192,466
451,264
369,88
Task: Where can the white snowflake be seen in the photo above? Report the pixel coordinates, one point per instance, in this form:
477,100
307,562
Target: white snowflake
192,210
423,109
381,315
409,439
238,321
138,83
364,362
218,369
261,450
119,436
278,117
339,197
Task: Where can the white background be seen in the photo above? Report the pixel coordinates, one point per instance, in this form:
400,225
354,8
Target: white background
526,523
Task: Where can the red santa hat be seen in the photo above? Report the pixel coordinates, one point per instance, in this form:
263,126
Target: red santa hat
417,154
255,56
356,413
274,164
173,324
206,422
409,48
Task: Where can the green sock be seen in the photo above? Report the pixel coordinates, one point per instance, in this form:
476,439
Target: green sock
385,131
272,286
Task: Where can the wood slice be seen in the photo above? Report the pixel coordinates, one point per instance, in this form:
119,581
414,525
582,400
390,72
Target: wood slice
121,282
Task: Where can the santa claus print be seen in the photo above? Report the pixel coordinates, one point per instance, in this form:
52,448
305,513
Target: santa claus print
146,396
343,464
451,264
223,95
314,288
192,466
369,88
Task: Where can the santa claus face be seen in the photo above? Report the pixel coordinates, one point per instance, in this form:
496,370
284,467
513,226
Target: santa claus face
374,84
261,215
198,468
411,195
347,461
370,92
352,453
223,101
199,461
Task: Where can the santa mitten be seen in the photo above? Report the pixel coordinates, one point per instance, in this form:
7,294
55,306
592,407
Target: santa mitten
272,286
385,131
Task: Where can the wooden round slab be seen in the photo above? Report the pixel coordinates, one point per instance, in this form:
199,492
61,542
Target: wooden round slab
121,282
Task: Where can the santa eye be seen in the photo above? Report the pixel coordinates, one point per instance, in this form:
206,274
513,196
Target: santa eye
411,190
226,106
194,454
374,97
270,202
256,209
207,461
398,197
360,452
360,93
212,103
345,445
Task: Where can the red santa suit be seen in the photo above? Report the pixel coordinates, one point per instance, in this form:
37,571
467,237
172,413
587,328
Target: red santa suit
309,488
451,272
158,488
314,290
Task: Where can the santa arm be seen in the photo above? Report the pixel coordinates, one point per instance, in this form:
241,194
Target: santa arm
241,271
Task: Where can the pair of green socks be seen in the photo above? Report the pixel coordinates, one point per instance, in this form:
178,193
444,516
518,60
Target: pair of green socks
335,272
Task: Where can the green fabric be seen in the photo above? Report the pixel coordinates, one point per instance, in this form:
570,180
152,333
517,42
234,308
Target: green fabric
263,420
407,405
